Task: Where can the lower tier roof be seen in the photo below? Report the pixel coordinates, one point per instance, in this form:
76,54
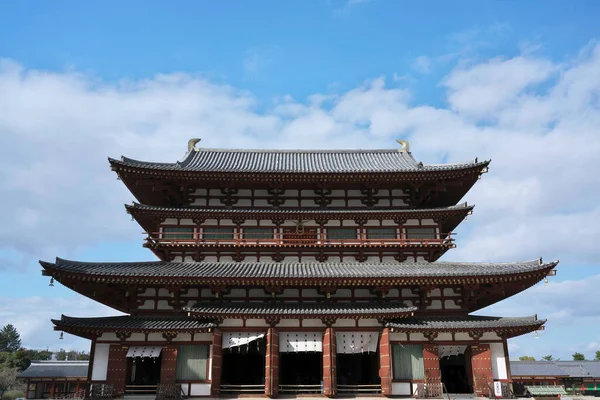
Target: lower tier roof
56,369
451,323
291,272
371,309
471,324
130,323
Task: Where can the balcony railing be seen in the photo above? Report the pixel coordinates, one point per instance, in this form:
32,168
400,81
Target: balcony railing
294,240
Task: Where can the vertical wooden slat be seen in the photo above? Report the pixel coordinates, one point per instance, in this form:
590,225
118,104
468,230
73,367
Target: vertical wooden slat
215,374
168,366
329,363
481,364
431,365
117,368
272,363
385,366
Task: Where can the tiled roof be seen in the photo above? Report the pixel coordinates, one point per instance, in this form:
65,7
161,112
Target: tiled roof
296,309
296,270
56,369
133,323
441,323
274,211
572,369
298,161
535,368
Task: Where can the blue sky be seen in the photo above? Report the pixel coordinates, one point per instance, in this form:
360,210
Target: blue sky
508,80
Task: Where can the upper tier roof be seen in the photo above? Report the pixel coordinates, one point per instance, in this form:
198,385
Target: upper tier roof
289,270
297,161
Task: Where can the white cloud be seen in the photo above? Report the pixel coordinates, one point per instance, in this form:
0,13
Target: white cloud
537,119
423,64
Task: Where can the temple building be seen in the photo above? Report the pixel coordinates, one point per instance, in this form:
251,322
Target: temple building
286,272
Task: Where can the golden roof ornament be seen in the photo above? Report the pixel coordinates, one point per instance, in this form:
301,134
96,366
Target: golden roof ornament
192,143
404,144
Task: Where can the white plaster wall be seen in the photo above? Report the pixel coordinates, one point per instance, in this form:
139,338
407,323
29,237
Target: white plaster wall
451,305
462,336
288,323
136,337
290,293
203,337
398,337
417,336
435,305
156,337
183,337
368,322
232,322
148,305
236,292
401,389
198,389
490,336
257,293
444,336
256,323
498,361
312,323
100,365
106,336
344,323
163,305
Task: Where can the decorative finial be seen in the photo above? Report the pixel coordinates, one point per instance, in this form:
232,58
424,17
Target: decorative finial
404,144
192,143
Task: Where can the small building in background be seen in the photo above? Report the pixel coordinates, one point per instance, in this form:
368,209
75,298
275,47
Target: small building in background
54,379
576,377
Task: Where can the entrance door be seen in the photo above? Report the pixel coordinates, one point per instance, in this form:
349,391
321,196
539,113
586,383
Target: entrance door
143,375
300,362
357,363
455,368
243,363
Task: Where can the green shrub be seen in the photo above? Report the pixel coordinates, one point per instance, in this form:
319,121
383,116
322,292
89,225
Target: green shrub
12,394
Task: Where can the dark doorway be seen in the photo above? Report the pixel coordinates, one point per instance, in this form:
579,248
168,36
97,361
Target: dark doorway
243,368
358,373
143,375
454,374
304,370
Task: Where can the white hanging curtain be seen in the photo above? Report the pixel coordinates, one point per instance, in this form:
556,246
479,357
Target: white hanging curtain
448,351
290,342
235,339
356,342
144,351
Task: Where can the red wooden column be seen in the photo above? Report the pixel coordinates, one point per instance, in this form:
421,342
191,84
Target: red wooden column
481,364
168,366
329,363
272,363
52,390
215,373
27,390
431,365
117,368
385,366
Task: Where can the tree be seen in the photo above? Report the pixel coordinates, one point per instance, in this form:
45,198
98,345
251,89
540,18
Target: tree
548,358
526,358
10,340
578,357
8,379
62,355
597,358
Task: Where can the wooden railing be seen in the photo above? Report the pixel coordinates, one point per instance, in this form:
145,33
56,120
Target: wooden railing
242,389
140,389
297,240
358,389
77,395
429,390
300,389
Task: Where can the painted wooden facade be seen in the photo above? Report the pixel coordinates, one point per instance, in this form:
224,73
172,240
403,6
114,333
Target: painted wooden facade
317,267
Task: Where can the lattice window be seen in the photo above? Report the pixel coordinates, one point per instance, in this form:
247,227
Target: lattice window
408,361
177,232
420,233
341,233
192,362
211,233
258,233
381,233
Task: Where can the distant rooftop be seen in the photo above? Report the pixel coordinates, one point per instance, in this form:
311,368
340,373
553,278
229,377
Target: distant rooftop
572,369
56,369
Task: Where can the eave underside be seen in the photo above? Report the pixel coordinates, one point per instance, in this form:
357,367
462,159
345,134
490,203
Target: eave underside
124,326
